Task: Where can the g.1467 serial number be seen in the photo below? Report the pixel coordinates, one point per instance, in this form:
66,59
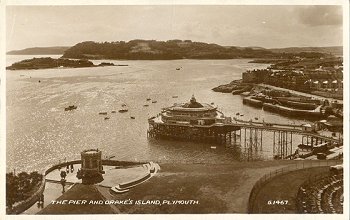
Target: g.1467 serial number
277,202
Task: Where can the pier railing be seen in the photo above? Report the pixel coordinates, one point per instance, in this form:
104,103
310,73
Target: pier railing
297,166
267,123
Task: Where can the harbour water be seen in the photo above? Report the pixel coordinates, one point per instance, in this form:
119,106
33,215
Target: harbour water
40,133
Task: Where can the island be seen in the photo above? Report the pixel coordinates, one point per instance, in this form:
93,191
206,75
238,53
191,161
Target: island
48,62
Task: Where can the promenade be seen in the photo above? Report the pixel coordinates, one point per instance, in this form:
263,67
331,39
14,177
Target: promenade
300,93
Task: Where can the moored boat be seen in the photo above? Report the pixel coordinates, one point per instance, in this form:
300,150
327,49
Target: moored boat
123,110
71,107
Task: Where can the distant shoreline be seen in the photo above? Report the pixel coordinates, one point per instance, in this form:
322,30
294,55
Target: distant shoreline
58,50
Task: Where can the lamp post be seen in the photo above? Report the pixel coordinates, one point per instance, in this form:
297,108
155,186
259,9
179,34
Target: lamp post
63,179
63,183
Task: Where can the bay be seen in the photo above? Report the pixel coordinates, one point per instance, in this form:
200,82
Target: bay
40,133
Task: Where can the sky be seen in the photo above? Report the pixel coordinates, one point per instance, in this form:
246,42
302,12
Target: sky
244,25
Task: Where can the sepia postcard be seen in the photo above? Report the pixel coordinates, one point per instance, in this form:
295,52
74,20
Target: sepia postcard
208,109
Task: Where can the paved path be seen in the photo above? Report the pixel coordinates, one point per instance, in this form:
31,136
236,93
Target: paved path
112,176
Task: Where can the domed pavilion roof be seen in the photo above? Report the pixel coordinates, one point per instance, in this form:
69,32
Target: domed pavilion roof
193,103
191,106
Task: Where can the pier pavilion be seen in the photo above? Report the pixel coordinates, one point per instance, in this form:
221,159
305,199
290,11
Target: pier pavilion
190,121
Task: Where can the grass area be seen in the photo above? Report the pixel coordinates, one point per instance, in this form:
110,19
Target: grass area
79,192
212,188
223,188
283,187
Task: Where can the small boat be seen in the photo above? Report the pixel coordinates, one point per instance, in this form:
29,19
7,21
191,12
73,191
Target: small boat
122,110
305,147
148,99
177,68
113,111
71,107
102,113
106,118
212,103
132,117
237,113
304,150
154,101
175,96
145,105
213,147
241,115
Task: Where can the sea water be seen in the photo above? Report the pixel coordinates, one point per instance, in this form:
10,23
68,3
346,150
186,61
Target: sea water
41,133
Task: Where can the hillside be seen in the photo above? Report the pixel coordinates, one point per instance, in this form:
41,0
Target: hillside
172,49
308,63
337,50
160,50
39,51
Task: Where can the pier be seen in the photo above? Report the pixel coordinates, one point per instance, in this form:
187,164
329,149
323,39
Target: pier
199,122
248,135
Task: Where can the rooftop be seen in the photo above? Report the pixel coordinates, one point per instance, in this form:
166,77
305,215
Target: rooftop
192,105
90,151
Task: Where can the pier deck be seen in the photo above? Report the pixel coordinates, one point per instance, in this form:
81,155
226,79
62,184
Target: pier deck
247,133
